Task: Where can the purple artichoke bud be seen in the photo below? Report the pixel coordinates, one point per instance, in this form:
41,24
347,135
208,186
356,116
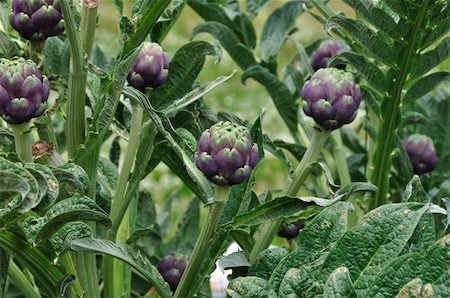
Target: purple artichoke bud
36,20
291,230
421,152
171,268
226,153
150,68
23,91
325,51
331,97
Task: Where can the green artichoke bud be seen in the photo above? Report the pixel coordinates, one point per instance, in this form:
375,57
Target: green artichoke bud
36,20
331,97
23,91
150,68
226,153
421,152
325,51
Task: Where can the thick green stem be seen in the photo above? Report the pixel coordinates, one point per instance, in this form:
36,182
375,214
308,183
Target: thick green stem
22,282
88,25
389,123
322,8
76,84
22,141
203,242
114,270
302,171
339,156
36,52
79,44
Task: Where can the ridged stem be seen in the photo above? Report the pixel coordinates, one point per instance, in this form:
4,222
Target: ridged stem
322,8
76,85
80,42
389,123
202,245
88,25
114,270
22,282
22,141
318,140
340,159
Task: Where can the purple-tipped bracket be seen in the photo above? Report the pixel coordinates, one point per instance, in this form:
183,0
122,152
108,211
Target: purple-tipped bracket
23,91
226,153
331,97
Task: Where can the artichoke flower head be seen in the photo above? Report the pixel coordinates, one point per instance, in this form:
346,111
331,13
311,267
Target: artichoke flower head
23,91
331,97
226,153
421,152
37,20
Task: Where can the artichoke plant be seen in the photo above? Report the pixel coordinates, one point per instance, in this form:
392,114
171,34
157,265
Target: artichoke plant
23,91
291,230
150,68
421,152
226,153
171,268
37,20
325,51
331,97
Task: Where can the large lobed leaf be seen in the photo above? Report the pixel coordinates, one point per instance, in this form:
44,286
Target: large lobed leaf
126,254
277,27
380,237
314,241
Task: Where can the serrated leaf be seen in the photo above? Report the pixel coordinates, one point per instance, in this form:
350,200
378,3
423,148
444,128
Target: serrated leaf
254,6
107,176
279,208
192,96
126,254
211,11
339,284
234,260
229,41
72,177
369,70
184,69
32,198
71,230
270,146
382,234
315,240
250,287
415,192
244,26
296,283
167,20
428,60
8,48
433,33
293,79
351,188
277,27
416,288
65,211
48,184
377,17
430,268
366,37
280,94
12,183
423,85
266,261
